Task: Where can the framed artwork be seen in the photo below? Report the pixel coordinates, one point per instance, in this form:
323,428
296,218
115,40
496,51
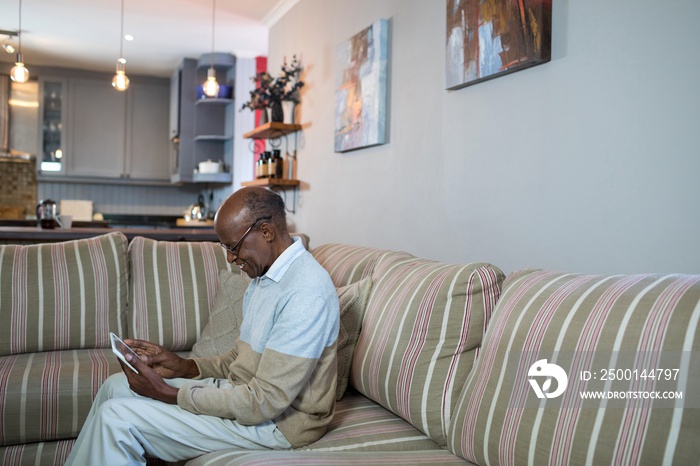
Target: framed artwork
490,38
361,88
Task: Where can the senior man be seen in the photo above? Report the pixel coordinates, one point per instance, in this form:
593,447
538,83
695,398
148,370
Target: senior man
275,389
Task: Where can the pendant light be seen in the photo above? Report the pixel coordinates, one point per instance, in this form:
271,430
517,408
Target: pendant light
7,44
211,87
19,73
120,81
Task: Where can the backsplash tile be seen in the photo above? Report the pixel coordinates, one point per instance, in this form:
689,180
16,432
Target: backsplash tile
18,188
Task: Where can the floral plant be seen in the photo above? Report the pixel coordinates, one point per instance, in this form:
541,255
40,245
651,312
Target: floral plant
271,91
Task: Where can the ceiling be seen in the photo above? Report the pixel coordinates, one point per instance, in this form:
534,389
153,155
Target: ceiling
85,34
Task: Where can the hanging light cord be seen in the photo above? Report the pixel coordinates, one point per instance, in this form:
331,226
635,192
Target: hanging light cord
121,37
19,32
213,29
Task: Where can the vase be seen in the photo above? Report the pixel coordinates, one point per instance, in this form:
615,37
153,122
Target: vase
276,112
263,116
289,111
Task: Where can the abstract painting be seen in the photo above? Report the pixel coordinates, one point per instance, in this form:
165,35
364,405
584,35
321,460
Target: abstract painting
490,38
361,88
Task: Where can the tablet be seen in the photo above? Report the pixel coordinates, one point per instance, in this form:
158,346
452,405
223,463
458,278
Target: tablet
120,349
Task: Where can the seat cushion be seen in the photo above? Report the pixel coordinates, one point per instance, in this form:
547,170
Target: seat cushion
32,454
65,295
362,432
172,289
423,324
47,396
553,340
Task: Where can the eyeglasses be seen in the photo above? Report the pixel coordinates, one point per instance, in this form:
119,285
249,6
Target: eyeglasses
236,247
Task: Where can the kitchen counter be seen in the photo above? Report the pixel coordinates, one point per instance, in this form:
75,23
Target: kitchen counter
27,235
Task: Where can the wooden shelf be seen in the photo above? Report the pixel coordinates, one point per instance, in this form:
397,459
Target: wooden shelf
266,182
272,130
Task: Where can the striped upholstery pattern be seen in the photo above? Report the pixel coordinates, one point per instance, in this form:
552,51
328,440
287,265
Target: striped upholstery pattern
348,264
422,326
584,322
47,396
33,454
62,295
308,458
173,286
362,432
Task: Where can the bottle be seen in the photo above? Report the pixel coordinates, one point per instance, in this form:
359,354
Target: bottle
279,164
271,165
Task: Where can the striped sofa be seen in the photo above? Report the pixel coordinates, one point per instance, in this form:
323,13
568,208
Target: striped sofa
453,364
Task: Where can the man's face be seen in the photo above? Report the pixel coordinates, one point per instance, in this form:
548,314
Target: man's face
246,247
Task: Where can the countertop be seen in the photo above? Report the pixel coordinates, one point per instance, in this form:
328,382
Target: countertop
18,234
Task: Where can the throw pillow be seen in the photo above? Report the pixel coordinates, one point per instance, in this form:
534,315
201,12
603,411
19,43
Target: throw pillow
225,318
353,301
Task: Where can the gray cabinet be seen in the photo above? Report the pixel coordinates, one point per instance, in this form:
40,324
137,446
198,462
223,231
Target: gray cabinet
115,136
97,128
147,132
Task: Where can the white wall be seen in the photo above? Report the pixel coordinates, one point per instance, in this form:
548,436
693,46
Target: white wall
588,163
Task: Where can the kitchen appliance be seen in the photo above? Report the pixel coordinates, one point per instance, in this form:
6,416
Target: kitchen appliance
196,212
46,213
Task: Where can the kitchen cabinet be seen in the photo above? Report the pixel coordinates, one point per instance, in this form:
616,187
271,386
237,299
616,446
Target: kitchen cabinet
52,96
114,136
97,127
201,128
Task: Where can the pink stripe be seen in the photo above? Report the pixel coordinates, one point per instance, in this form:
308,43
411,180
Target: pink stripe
7,363
18,314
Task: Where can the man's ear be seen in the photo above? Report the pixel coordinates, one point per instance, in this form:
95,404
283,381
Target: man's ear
267,232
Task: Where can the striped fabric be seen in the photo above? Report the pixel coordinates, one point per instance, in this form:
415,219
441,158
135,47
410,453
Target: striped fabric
348,264
62,295
47,396
423,324
173,286
585,323
33,454
362,432
308,458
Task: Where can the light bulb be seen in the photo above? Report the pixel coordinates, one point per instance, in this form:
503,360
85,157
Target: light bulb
120,81
8,45
19,73
211,87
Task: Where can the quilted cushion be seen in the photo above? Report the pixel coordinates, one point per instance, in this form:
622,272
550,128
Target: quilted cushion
47,396
172,289
62,295
353,300
223,328
585,325
423,324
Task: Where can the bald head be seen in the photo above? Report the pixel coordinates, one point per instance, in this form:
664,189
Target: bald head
248,204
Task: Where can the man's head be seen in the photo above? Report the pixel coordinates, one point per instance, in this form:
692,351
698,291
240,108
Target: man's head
251,224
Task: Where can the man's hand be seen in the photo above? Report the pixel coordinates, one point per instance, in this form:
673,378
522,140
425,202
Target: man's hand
165,363
147,382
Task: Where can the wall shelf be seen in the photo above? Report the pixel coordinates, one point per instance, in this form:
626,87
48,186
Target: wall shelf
272,130
271,182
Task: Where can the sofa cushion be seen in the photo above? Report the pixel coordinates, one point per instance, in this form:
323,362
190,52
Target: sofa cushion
47,396
223,327
361,432
585,323
348,264
423,324
353,300
42,453
172,288
65,295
